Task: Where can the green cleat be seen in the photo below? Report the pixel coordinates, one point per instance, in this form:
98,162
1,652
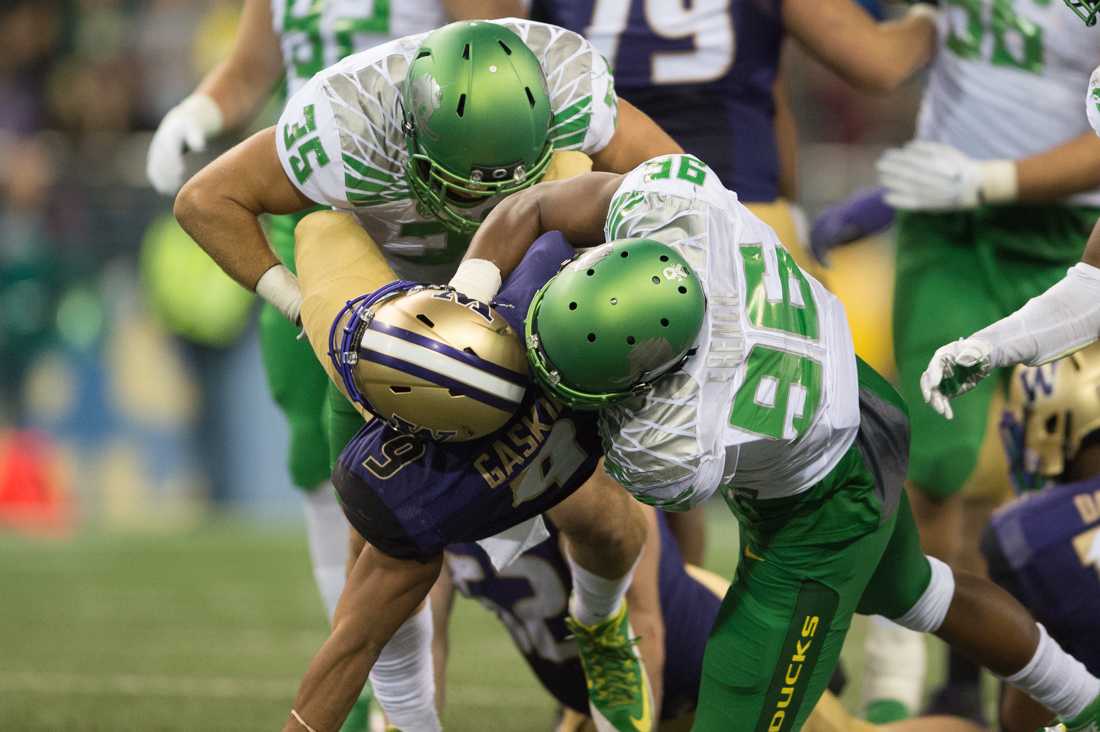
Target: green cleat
619,697
1087,721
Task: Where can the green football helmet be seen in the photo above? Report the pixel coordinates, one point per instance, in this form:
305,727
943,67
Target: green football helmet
613,320
476,121
1087,10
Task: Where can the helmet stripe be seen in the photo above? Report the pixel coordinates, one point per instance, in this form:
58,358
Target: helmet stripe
442,369
476,361
439,380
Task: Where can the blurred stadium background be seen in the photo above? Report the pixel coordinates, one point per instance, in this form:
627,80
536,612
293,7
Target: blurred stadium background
151,553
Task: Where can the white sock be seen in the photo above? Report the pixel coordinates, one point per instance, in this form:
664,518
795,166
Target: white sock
895,663
403,677
594,598
1056,679
327,531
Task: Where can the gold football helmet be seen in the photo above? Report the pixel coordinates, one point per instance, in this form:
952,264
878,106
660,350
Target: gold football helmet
430,361
1051,409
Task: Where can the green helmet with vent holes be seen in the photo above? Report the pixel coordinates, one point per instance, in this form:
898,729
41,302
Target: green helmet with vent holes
477,121
613,320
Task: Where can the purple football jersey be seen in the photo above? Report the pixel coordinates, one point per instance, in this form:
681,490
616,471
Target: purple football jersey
530,597
410,497
704,72
1044,548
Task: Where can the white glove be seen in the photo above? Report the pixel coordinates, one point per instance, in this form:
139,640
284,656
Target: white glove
930,176
955,369
189,124
1092,101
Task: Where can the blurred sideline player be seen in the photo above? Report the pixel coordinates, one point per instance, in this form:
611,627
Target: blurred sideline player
291,41
709,74
1044,547
420,137
529,599
994,195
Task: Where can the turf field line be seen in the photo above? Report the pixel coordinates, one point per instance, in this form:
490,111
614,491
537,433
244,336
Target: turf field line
62,684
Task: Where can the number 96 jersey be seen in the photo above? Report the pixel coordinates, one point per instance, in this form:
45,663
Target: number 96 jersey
410,497
1007,80
768,403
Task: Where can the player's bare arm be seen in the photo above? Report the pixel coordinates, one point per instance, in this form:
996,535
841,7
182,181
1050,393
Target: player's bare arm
219,207
227,97
637,138
875,57
576,207
381,594
1061,171
242,82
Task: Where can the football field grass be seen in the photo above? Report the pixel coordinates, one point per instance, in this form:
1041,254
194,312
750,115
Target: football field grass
211,629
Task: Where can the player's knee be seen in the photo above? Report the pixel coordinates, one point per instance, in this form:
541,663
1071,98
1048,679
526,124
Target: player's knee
930,609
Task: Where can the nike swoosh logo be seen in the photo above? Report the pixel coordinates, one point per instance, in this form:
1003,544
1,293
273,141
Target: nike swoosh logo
750,554
644,723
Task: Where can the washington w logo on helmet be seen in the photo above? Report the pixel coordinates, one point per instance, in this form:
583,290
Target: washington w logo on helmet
428,362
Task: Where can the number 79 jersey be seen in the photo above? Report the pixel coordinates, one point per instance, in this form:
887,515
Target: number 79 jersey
768,404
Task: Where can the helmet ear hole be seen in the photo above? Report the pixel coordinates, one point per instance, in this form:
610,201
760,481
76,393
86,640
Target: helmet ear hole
664,322
682,290
591,337
630,340
572,306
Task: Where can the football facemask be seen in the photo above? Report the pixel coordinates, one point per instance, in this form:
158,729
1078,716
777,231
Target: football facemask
429,361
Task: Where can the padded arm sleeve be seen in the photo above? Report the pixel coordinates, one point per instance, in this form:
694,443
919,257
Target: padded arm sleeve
1060,321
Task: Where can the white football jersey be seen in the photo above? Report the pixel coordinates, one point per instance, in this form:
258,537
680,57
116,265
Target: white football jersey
341,143
1007,80
769,402
315,34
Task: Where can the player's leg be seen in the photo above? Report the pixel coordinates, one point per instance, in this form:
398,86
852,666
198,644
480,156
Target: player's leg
603,531
943,291
980,620
338,261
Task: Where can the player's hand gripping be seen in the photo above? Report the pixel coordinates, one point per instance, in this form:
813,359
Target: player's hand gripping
186,127
955,369
931,176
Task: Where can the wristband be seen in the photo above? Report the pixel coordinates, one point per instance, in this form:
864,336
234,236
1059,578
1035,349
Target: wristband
279,286
999,184
477,278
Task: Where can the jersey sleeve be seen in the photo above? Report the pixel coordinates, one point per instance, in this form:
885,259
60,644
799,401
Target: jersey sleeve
308,144
655,447
579,82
